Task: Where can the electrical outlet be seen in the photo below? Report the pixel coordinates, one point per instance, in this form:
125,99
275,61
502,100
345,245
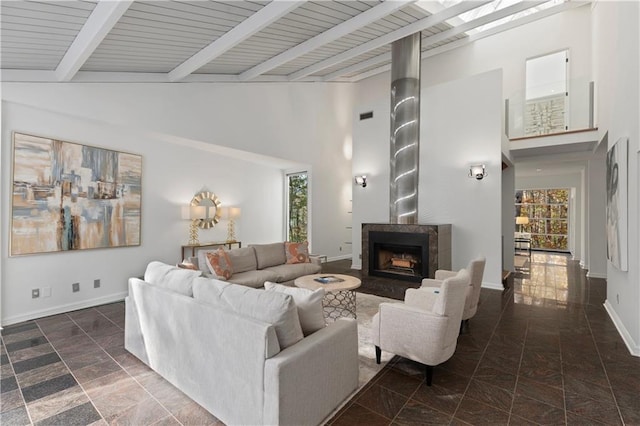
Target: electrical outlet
46,291
35,293
96,283
75,287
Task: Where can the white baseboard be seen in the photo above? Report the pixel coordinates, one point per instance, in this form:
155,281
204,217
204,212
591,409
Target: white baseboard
357,265
341,257
633,347
492,286
116,297
596,275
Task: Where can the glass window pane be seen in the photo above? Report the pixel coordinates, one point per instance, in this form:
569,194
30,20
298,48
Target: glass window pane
297,207
557,196
539,196
547,210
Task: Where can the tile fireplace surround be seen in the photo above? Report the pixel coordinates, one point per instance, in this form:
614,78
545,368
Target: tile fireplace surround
439,236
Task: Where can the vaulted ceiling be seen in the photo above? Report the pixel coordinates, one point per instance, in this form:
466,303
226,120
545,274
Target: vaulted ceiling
238,41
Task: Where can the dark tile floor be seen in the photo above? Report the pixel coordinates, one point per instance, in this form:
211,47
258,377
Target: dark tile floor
543,352
72,369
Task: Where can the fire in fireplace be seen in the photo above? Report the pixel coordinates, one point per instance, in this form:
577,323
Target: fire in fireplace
399,255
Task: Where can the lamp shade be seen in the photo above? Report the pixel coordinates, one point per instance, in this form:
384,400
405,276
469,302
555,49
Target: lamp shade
194,212
234,212
230,212
522,220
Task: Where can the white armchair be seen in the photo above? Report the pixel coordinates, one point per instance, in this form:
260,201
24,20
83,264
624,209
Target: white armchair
425,327
472,299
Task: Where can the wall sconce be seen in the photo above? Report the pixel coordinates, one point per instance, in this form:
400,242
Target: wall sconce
231,213
477,171
195,214
361,180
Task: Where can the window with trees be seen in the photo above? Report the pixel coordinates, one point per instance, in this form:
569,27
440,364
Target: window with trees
297,206
548,213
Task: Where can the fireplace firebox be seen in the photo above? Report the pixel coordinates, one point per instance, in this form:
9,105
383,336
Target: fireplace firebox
399,255
404,252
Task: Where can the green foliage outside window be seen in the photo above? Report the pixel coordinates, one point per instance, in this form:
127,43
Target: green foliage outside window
298,210
548,213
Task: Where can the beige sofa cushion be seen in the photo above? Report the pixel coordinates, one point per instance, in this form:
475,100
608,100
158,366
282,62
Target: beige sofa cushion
253,279
209,290
291,272
277,309
243,259
270,254
171,277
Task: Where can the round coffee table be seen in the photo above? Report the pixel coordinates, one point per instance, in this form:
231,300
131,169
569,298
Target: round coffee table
340,297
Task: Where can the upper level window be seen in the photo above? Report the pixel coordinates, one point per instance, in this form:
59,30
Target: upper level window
546,94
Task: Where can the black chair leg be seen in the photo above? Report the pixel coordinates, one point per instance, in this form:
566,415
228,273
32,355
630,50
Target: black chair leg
378,354
429,374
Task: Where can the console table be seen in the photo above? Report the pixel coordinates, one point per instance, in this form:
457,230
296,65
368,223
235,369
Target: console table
194,247
523,244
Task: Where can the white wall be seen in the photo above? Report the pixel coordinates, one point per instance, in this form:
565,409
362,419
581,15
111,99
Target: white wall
447,148
509,50
576,207
596,213
616,67
508,215
175,127
371,157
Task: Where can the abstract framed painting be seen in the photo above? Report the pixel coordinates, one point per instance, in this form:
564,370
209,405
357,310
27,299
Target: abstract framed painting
617,187
69,196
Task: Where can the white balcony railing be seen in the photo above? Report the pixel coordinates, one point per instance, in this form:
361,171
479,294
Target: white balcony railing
553,113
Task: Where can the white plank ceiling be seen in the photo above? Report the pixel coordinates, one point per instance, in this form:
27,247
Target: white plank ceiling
198,40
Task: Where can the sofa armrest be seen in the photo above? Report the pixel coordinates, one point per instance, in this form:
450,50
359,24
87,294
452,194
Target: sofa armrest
443,274
411,332
316,260
307,381
422,298
430,283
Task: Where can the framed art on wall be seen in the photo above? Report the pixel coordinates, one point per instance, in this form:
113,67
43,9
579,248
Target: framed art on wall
70,196
617,219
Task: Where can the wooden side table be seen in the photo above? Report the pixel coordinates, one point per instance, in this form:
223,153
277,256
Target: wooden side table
195,247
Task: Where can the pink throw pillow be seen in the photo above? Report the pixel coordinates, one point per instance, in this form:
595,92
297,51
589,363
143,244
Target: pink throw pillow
220,264
297,252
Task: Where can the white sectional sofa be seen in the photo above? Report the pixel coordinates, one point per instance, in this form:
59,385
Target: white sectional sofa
202,336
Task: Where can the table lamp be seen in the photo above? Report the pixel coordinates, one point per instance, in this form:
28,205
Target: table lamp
195,214
522,220
231,213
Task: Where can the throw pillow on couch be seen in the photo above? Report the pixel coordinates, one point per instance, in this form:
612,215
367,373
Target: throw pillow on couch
308,303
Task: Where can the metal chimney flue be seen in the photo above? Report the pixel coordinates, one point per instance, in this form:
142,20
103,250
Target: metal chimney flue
405,129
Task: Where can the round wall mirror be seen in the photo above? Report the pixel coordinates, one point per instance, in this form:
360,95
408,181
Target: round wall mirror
212,203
